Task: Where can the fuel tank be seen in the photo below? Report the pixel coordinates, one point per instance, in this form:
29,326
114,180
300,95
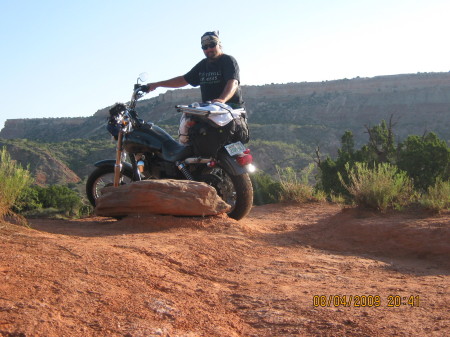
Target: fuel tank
148,138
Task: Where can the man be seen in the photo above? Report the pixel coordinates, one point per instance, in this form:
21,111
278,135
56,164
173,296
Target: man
217,75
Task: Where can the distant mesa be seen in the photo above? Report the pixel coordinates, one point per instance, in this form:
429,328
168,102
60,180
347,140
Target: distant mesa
324,103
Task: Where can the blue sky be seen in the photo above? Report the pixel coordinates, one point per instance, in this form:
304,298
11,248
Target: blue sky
61,58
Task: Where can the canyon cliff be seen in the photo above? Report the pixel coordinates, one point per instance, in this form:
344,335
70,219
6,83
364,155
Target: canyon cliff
323,110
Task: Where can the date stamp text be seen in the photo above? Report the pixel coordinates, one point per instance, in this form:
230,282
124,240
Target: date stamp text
390,301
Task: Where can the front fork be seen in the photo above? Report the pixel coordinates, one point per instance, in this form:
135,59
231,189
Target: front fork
120,157
118,164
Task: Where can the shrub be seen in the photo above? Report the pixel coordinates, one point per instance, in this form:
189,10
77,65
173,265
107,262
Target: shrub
437,197
61,198
337,199
294,188
14,179
330,169
51,201
380,187
85,210
266,190
328,177
424,159
28,200
320,195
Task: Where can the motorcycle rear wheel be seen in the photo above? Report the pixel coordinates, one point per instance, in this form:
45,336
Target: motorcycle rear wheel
236,191
103,177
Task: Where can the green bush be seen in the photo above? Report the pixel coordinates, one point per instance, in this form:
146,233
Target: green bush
266,190
14,179
28,200
421,160
437,197
61,198
424,159
290,187
328,176
381,187
47,201
329,169
296,188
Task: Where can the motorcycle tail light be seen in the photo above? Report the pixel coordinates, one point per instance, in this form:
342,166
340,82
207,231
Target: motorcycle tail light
211,164
245,159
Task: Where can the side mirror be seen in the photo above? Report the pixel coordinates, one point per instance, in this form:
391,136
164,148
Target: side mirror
143,77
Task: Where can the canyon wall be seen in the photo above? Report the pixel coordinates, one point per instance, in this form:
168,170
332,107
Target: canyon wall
417,102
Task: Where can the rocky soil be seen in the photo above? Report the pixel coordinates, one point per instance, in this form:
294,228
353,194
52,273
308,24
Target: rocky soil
282,271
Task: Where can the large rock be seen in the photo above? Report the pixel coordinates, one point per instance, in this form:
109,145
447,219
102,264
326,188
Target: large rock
173,197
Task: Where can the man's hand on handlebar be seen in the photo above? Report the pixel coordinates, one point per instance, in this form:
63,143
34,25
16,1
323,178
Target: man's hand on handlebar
149,87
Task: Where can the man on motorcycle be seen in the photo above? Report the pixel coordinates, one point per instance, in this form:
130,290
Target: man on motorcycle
217,75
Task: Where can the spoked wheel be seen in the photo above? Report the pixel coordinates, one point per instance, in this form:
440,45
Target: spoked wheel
99,179
236,191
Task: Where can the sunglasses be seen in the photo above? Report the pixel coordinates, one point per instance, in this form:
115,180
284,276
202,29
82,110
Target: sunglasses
210,45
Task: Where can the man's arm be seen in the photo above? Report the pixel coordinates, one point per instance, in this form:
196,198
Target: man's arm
176,82
228,91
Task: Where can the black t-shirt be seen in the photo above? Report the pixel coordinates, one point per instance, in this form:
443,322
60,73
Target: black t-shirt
212,76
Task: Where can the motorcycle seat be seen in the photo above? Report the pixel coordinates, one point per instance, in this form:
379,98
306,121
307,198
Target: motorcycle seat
173,151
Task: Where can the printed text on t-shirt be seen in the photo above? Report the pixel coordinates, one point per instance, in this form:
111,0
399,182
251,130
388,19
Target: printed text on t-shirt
211,77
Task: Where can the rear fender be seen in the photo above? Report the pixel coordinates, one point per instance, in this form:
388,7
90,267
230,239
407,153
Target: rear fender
230,165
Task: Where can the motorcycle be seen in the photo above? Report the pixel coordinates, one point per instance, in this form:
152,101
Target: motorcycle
215,153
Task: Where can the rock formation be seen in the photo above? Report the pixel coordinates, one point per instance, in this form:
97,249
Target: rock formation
170,197
420,102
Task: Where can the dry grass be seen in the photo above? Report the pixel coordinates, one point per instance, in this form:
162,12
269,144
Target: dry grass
437,197
296,187
13,179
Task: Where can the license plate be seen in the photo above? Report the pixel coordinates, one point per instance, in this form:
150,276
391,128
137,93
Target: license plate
235,148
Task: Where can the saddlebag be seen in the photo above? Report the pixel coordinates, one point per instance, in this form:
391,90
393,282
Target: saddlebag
207,138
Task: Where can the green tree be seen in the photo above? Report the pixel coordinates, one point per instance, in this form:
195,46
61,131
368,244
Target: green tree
380,147
347,145
424,159
330,169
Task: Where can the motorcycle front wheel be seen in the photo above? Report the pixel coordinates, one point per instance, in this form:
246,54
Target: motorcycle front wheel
236,191
103,177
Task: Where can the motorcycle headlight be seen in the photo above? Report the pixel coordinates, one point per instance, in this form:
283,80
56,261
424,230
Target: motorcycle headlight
117,109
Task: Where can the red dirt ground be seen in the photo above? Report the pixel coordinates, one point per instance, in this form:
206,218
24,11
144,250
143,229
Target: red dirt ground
179,276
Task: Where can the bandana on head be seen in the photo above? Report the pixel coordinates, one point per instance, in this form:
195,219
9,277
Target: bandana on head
209,37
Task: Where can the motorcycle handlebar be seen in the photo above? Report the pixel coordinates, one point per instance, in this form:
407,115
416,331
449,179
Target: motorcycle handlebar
138,92
140,88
